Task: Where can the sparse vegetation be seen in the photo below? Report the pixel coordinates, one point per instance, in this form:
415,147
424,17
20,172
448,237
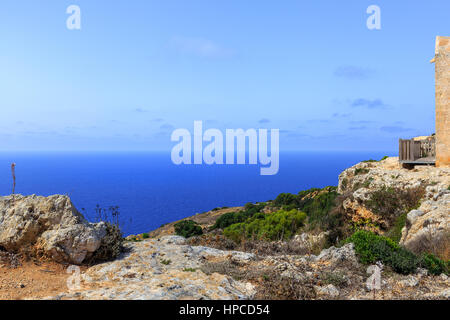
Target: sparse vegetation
428,243
111,245
359,171
371,160
271,285
344,183
395,233
166,261
259,247
390,202
337,279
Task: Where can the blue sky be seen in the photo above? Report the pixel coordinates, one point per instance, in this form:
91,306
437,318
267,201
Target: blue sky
138,69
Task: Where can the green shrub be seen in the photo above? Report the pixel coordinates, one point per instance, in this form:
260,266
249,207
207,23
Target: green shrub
188,228
318,208
145,236
395,233
371,160
316,203
372,248
230,218
321,208
285,199
274,226
434,265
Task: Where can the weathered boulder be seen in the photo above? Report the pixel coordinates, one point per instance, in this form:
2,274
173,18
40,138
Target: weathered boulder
334,255
50,224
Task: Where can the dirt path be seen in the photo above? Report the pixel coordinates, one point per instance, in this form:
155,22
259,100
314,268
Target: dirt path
32,281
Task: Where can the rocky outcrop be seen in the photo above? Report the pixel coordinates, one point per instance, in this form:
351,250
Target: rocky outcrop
428,226
50,225
364,177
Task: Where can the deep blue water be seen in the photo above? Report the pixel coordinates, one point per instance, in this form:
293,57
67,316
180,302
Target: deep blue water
150,190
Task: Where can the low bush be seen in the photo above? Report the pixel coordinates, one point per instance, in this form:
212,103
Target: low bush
188,228
372,248
316,203
285,199
280,225
434,265
230,218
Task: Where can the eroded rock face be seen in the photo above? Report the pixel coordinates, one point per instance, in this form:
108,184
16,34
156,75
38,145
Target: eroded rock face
428,226
364,177
51,224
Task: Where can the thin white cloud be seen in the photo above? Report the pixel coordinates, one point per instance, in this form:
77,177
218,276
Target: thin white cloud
200,47
353,72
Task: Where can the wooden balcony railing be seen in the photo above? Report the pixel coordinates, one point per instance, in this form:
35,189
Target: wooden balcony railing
417,151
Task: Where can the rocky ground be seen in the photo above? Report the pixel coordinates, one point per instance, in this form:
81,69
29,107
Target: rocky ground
161,269
169,269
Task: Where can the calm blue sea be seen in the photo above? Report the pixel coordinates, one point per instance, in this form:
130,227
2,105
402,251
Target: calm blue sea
150,190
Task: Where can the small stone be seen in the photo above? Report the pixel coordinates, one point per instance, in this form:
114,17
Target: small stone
411,281
329,290
445,294
422,272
